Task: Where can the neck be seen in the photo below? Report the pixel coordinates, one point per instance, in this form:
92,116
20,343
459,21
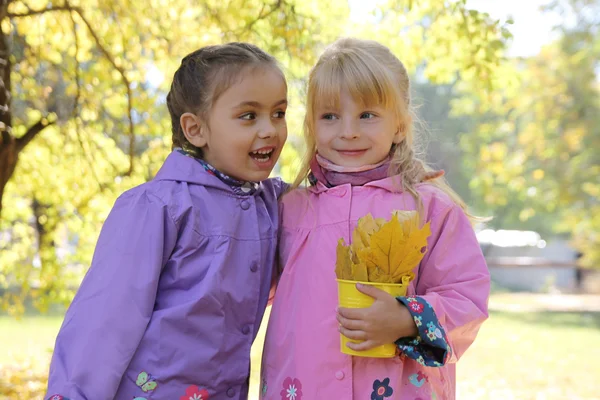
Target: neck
331,174
330,166
239,187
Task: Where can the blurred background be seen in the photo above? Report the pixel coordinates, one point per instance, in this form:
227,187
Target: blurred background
508,95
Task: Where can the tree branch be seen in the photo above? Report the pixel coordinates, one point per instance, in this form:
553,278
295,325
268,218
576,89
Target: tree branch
32,133
31,13
261,16
126,82
75,112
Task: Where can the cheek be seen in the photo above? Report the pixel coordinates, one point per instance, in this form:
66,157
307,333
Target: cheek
283,131
236,142
381,135
283,137
323,146
324,135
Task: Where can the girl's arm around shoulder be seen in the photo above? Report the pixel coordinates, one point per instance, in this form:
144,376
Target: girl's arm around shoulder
452,290
111,310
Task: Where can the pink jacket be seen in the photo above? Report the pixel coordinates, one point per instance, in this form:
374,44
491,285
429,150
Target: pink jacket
302,358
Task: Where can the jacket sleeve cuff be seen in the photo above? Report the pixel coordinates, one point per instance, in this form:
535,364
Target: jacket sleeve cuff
430,348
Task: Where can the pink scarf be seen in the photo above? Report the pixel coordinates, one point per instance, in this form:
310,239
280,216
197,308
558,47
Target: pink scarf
330,174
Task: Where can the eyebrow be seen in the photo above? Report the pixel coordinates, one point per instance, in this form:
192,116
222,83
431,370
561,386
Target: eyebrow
256,104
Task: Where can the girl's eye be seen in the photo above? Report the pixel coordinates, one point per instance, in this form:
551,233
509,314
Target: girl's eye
329,116
367,115
279,114
248,116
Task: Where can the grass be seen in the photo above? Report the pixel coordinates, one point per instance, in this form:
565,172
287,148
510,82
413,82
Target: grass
521,356
30,337
25,355
537,356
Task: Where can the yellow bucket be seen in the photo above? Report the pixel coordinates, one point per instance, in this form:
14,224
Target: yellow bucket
350,297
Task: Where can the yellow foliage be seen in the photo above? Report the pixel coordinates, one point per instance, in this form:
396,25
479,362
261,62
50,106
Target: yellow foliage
22,381
383,251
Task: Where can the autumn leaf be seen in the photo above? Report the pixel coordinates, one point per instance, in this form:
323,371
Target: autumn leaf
383,251
360,272
413,250
377,275
361,236
343,268
380,222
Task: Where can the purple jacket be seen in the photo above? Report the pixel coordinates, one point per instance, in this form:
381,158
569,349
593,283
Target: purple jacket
175,294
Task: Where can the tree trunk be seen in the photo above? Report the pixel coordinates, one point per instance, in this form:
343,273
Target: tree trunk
8,143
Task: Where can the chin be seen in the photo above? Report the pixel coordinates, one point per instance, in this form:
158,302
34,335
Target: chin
255,176
352,163
260,177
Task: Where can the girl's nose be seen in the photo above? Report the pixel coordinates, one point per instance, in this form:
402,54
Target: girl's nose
350,130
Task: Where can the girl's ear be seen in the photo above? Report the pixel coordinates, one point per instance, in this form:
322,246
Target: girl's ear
400,134
194,129
402,129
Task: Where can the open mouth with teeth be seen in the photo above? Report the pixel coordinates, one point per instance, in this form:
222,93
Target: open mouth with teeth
262,155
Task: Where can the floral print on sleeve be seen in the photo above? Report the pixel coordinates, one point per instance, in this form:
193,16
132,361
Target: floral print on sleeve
430,348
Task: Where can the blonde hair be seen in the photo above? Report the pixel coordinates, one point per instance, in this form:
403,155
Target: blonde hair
373,75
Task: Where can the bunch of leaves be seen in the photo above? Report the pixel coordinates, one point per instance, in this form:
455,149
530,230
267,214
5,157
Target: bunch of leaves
383,251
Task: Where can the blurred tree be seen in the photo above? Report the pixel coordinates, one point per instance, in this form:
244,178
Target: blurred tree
534,156
83,114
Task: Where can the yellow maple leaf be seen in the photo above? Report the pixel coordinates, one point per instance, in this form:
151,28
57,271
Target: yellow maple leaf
343,267
396,248
380,222
359,272
413,250
361,236
405,280
377,275
384,244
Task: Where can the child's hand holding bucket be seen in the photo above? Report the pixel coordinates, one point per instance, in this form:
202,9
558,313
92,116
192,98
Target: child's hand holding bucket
373,330
386,321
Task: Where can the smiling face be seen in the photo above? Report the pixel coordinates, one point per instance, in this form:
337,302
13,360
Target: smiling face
353,134
245,129
357,105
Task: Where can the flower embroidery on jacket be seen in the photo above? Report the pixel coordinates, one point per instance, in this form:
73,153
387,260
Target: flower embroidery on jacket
416,307
418,320
292,389
57,397
431,335
381,389
193,392
418,379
